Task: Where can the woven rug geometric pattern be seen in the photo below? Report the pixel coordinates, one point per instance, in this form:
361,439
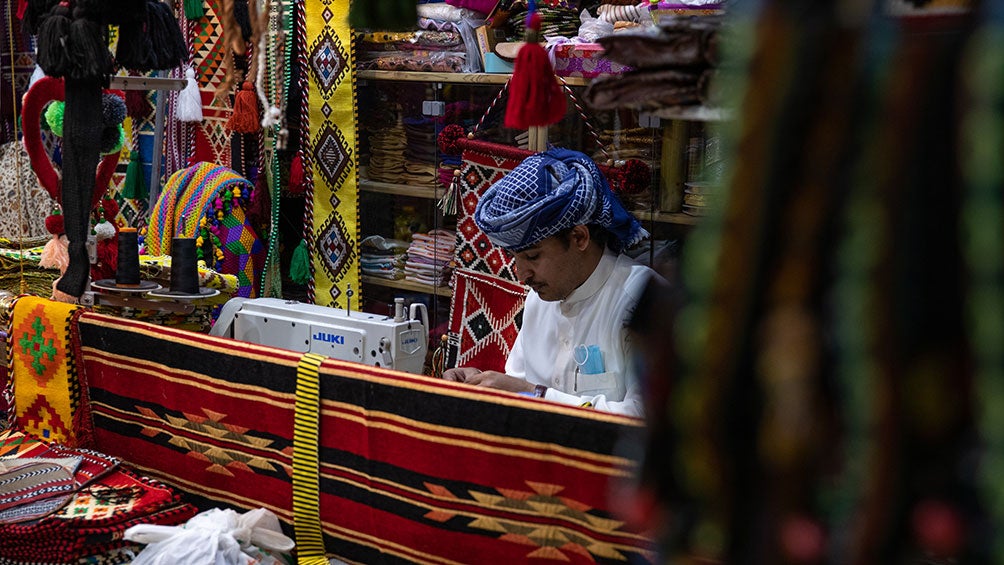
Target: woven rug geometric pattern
475,252
43,374
212,138
485,316
411,469
331,151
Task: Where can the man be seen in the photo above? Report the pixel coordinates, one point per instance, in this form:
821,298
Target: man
558,217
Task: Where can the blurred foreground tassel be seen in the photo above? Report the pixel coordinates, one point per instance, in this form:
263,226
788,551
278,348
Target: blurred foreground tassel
535,97
385,15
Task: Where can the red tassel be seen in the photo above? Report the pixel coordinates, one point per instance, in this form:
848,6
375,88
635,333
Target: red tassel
297,184
54,224
535,97
245,118
259,209
138,107
108,259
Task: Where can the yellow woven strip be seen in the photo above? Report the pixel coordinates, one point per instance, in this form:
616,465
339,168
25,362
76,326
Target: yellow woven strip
306,496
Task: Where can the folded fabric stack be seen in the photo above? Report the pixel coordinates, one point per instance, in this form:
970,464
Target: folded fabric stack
430,256
381,257
65,505
673,65
443,41
387,147
420,152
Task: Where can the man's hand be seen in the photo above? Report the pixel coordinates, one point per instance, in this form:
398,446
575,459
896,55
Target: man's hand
460,374
501,381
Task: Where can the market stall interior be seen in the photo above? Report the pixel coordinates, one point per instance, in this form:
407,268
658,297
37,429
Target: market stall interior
265,267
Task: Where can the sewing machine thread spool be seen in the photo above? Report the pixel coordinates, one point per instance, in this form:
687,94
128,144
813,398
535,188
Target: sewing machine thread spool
184,266
127,267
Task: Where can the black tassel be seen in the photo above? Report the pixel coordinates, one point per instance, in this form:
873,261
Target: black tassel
169,47
114,12
36,12
243,19
134,50
88,48
53,35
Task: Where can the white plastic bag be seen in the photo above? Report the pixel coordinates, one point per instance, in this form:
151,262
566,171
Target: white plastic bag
214,537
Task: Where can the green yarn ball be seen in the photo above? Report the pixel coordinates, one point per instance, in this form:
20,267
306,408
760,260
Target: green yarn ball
54,117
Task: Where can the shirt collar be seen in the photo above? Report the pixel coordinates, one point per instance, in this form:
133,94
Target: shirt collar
595,282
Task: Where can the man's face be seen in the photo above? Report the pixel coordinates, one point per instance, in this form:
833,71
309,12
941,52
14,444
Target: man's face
553,268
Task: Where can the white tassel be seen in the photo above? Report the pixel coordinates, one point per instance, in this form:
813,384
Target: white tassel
190,100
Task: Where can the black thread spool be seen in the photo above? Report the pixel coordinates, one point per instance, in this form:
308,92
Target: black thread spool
184,266
127,268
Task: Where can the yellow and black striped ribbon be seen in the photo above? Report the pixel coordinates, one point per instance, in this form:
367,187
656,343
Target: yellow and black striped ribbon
306,496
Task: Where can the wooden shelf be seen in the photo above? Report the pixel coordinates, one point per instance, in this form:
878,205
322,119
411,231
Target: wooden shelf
403,284
451,78
677,218
430,192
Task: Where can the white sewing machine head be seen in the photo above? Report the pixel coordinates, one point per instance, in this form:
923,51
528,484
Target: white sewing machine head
397,342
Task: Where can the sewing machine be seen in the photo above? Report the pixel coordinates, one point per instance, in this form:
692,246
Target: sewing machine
398,342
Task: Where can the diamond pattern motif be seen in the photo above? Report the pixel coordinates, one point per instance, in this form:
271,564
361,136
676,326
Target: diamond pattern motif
474,250
328,62
332,155
337,250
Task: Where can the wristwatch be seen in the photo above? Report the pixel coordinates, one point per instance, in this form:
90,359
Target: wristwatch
539,391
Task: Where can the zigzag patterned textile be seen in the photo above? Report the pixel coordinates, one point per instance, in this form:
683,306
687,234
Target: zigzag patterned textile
411,470
43,370
212,138
108,500
485,317
480,169
218,195
331,152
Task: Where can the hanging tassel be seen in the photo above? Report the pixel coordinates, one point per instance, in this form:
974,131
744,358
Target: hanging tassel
194,9
261,203
297,184
56,253
190,100
53,33
448,203
89,56
135,49
244,118
169,49
137,105
299,264
134,186
535,97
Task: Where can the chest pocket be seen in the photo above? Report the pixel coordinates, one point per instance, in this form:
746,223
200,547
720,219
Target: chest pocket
596,382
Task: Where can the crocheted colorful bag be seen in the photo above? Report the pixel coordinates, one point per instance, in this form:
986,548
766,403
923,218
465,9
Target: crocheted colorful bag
208,201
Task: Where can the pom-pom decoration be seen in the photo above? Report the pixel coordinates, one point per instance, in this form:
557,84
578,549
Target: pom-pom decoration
45,90
112,139
54,117
113,109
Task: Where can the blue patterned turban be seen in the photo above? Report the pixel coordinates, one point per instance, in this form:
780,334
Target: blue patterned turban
550,192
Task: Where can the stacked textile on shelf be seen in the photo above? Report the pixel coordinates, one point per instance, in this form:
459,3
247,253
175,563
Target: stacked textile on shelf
673,64
383,258
443,41
420,152
429,257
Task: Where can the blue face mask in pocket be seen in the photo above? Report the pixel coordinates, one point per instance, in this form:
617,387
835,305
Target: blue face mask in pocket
589,359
